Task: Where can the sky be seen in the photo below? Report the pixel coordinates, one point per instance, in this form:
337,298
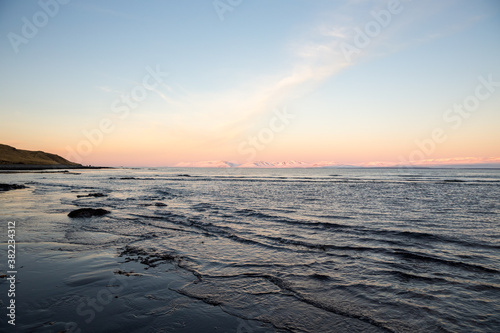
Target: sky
156,83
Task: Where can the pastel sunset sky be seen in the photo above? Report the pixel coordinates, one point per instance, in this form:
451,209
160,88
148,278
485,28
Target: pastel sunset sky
155,83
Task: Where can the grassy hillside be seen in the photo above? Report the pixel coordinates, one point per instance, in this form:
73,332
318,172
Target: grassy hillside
11,155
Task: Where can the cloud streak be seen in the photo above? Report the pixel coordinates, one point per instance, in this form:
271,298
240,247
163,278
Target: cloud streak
209,119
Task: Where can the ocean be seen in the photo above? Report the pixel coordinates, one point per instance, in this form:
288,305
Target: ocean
301,250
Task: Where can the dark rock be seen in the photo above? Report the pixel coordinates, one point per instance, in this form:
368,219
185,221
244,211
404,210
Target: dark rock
88,212
8,187
119,271
321,277
133,251
160,204
145,258
95,195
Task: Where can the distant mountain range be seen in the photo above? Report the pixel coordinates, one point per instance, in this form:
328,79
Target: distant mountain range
287,164
19,158
207,164
454,163
12,158
261,164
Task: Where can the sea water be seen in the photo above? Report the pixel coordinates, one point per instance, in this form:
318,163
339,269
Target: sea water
305,250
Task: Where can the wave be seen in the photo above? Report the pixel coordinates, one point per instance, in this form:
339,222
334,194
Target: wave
453,181
205,206
168,193
208,228
419,236
431,259
323,247
291,221
287,289
410,276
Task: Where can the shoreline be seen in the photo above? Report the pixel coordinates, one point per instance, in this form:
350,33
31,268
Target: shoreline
7,168
198,261
99,290
70,279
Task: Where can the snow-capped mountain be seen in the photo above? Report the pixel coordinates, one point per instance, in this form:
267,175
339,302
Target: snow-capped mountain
259,164
329,164
324,164
292,164
206,164
285,164
465,162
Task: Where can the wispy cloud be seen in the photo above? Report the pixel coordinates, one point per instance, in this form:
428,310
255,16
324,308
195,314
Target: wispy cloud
213,118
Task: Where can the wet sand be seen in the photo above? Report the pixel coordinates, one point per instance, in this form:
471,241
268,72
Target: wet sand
70,279
59,289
